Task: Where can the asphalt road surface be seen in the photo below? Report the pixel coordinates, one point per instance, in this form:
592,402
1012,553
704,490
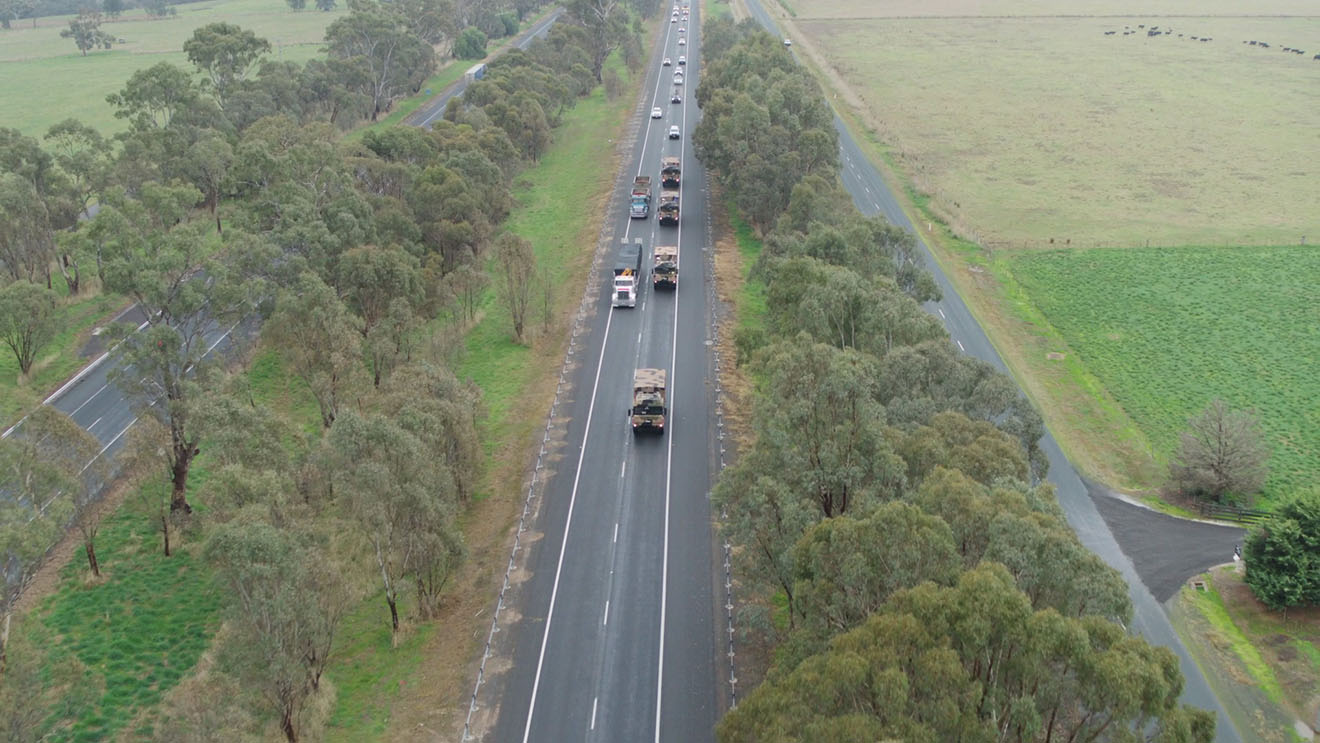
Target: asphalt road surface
435,108
617,639
873,196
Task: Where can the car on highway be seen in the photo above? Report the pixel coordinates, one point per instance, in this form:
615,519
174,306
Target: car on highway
673,19
682,60
674,132
788,42
682,29
682,42
656,113
678,78
676,98
666,62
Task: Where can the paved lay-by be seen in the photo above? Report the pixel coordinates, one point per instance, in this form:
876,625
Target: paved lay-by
616,639
872,195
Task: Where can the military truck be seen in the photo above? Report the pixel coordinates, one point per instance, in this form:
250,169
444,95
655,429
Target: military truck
628,274
648,406
669,172
640,208
668,210
664,274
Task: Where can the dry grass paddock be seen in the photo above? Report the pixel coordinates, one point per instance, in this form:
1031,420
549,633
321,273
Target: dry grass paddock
1024,124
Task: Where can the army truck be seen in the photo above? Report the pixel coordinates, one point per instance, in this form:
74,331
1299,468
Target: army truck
627,274
669,172
648,406
640,208
668,210
664,274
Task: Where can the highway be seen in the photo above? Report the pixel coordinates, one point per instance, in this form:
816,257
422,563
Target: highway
617,637
872,195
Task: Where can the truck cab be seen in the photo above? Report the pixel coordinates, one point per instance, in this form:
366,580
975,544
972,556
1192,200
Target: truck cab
628,276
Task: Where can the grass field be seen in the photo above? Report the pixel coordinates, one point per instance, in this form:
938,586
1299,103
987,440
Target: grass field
44,79
1167,330
1025,126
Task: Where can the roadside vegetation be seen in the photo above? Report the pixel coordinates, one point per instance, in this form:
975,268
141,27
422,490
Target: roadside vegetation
297,519
867,422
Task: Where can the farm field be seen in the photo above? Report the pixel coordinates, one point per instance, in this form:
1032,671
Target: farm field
1025,126
1167,330
44,79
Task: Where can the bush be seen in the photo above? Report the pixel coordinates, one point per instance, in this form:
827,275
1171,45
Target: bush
510,22
471,44
613,84
1283,555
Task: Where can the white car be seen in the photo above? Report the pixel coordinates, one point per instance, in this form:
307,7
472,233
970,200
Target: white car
682,29
788,42
666,63
682,60
656,113
674,133
682,42
678,78
673,19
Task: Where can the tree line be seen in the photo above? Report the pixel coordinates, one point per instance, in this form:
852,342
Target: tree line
231,205
914,573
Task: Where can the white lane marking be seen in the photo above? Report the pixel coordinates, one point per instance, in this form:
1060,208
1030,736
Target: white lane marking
604,622
960,346
93,425
615,540
623,468
94,394
646,133
593,712
563,546
669,467
937,309
107,446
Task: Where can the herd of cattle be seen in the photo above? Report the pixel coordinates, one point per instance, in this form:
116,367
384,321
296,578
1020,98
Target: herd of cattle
1157,31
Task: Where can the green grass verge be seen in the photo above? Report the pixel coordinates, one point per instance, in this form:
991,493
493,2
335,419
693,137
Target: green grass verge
36,64
554,225
1166,330
58,361
368,671
1212,607
434,85
138,632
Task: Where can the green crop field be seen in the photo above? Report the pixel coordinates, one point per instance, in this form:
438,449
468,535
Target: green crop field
1025,125
44,79
1166,330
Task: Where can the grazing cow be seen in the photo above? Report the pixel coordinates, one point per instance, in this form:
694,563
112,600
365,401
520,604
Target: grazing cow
1109,33
1203,38
1299,51
1287,49
1263,44
1253,43
1316,56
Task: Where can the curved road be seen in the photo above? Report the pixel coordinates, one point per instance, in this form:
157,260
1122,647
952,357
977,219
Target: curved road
872,195
617,639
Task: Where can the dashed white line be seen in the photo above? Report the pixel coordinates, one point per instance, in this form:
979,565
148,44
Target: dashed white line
615,540
937,309
593,712
606,620
93,424
623,468
960,346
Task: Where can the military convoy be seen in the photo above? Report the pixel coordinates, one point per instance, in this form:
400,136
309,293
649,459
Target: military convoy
640,206
627,274
668,209
648,409
664,274
669,171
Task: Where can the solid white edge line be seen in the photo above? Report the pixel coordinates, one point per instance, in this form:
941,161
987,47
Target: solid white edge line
568,522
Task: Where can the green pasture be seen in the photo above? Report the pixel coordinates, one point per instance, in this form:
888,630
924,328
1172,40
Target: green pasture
1166,330
44,79
138,633
1026,127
